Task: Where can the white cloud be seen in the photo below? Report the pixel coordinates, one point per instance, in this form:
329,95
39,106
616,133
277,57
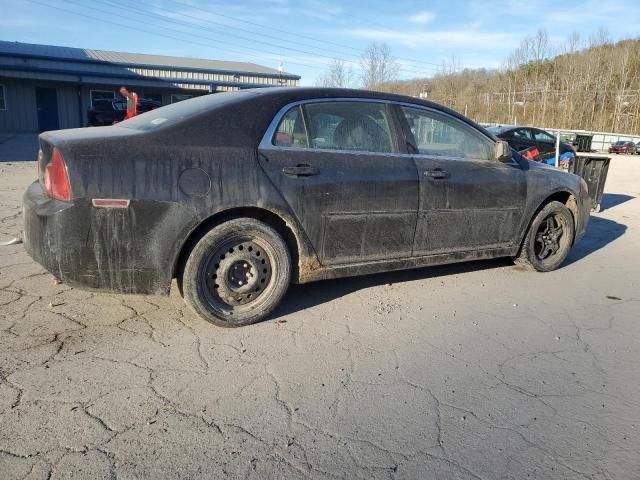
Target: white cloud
468,38
422,17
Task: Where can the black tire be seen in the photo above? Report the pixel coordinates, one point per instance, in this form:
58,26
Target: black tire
549,238
237,273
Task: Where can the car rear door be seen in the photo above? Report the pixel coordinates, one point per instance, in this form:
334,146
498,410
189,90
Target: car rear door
341,168
468,201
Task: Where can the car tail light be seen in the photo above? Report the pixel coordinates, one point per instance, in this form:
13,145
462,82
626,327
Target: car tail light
56,179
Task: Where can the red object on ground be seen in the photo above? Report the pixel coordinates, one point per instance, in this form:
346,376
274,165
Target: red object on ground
132,102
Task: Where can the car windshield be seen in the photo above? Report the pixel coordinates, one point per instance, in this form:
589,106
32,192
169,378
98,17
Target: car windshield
497,129
620,143
176,112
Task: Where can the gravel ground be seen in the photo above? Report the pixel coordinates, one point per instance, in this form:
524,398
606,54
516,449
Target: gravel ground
469,371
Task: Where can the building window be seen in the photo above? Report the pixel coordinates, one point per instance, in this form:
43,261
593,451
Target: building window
3,102
178,98
97,95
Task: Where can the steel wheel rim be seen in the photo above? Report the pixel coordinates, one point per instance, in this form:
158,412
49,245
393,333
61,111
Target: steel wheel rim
548,241
237,275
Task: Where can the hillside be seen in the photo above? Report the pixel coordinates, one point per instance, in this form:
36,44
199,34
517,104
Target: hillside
595,88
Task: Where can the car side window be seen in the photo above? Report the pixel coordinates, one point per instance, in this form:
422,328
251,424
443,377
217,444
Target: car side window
541,136
356,126
442,136
291,131
522,134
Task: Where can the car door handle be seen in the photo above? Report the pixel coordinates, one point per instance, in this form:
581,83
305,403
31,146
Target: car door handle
300,171
436,174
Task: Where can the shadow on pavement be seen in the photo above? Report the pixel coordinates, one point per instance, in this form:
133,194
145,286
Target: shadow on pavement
600,233
610,200
308,295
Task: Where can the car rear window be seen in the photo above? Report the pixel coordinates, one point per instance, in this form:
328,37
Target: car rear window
176,112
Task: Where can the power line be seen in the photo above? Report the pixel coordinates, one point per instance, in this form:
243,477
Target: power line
300,35
190,25
139,29
244,38
182,39
227,26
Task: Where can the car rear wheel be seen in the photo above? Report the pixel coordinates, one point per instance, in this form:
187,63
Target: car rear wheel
549,238
237,273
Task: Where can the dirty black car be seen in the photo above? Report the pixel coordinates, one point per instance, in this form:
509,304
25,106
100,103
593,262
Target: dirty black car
236,195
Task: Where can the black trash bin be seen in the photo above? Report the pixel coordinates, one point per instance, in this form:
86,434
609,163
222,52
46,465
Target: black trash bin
583,143
594,169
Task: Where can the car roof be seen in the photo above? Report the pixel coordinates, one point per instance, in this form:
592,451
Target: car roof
286,95
500,129
266,102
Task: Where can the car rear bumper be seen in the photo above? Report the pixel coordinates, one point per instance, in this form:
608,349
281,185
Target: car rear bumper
87,248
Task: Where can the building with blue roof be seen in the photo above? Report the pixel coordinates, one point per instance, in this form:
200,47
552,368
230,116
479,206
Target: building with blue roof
46,87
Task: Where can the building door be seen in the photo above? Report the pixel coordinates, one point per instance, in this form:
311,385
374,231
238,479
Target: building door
47,105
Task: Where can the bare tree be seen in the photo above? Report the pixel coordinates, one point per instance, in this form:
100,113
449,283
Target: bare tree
540,44
573,43
378,65
339,74
592,85
599,38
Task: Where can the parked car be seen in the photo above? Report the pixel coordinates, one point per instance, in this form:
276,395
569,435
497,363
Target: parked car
524,138
622,146
239,194
107,112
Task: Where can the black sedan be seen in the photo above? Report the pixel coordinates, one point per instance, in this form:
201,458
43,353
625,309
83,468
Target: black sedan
524,138
239,194
108,112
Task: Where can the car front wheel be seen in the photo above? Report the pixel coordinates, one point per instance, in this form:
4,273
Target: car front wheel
548,239
237,273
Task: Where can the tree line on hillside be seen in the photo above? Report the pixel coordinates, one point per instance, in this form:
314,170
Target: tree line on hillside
588,85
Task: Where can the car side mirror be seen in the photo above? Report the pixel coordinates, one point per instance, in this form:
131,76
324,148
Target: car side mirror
502,151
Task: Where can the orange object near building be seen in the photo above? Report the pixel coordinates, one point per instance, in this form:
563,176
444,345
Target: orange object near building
132,102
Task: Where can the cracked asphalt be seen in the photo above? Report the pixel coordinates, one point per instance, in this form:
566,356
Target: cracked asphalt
472,371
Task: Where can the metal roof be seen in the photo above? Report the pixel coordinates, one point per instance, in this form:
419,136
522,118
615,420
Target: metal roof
53,52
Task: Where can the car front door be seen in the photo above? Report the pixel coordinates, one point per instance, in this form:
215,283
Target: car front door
468,200
344,173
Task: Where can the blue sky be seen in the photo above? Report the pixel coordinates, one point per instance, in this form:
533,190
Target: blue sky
306,34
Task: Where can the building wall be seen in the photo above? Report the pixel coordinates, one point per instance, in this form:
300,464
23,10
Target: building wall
68,111
21,114
73,89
